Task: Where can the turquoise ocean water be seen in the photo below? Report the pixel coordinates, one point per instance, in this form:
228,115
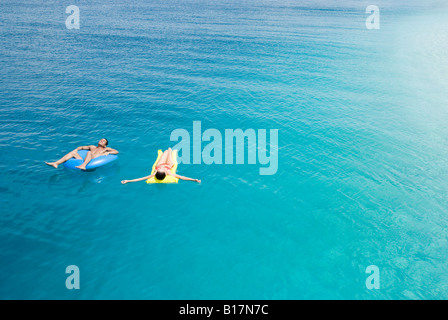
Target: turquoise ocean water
363,146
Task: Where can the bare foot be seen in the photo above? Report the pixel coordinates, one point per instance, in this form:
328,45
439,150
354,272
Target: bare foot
52,164
81,167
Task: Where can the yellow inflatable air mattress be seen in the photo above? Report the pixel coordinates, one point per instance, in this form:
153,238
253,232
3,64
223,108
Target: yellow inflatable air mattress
168,178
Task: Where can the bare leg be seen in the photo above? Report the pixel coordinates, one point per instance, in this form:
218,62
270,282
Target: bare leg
169,159
68,156
165,158
86,161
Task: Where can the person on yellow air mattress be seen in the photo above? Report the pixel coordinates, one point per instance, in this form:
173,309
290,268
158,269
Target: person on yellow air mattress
162,169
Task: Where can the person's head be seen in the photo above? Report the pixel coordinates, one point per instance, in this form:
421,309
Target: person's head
103,143
160,175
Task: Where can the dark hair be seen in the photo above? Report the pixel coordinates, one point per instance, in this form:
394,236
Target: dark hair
107,141
160,175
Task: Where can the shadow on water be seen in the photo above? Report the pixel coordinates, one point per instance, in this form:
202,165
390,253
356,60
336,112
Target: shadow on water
81,181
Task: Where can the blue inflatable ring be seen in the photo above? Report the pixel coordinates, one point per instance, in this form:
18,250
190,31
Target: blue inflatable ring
93,164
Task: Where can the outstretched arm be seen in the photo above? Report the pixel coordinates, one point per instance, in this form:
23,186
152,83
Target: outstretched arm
186,178
111,151
139,179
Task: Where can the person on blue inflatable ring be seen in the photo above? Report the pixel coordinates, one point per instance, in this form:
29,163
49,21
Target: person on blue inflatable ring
94,152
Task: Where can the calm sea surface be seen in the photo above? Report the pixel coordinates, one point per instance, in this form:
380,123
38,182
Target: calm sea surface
362,150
